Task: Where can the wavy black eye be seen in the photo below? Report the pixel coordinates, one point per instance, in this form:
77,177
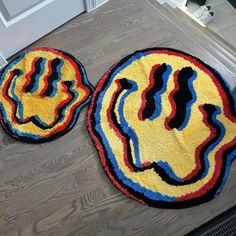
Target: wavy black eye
53,76
31,77
157,86
182,98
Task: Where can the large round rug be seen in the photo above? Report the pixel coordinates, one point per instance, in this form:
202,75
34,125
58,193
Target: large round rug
164,125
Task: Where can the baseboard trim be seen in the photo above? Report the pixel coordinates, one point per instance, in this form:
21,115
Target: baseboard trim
93,4
3,61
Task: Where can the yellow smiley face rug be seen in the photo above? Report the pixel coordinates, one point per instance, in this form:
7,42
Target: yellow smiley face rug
164,125
41,94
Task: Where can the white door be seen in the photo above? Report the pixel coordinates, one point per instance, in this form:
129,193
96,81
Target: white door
24,21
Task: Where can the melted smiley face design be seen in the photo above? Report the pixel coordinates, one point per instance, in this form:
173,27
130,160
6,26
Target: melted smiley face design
42,92
164,124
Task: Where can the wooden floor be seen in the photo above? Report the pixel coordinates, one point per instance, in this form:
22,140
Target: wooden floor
60,188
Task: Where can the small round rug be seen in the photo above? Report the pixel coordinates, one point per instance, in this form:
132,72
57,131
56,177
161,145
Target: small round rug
41,94
164,125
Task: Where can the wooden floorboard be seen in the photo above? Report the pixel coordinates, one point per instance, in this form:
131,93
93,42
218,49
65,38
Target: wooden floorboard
59,188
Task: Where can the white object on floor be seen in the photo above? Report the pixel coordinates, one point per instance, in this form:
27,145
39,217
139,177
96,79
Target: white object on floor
199,12
207,17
